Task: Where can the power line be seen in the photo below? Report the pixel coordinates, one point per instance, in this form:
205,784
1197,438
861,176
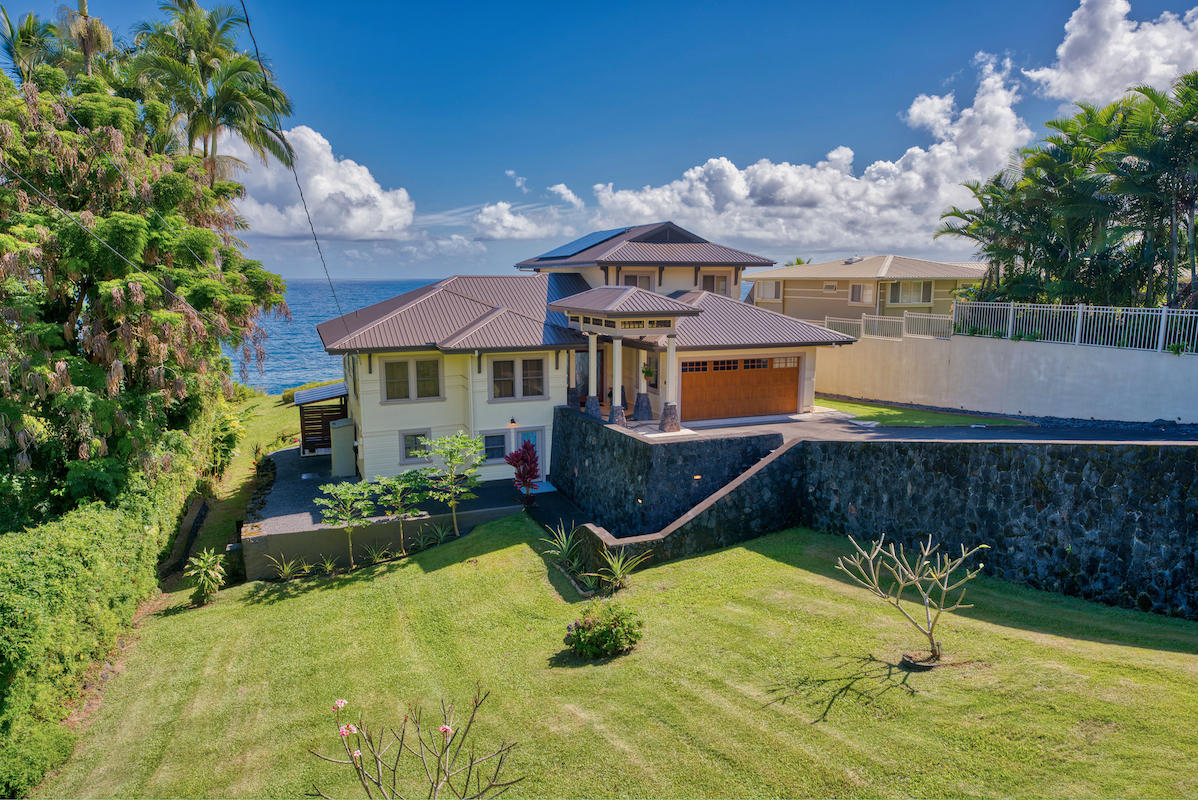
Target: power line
275,113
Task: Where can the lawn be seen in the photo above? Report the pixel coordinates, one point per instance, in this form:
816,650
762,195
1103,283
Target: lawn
895,416
762,673
270,424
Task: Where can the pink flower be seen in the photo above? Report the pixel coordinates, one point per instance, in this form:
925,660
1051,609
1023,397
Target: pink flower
339,704
344,730
357,754
445,729
352,729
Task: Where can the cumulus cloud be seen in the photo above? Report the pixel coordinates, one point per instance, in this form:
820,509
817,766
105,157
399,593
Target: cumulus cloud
828,205
503,221
520,182
1104,53
561,190
345,200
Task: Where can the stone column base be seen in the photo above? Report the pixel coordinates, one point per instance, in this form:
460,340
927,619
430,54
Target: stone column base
592,409
572,397
617,417
670,419
642,410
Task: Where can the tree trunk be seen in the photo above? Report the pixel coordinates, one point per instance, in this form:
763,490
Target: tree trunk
1173,254
1190,240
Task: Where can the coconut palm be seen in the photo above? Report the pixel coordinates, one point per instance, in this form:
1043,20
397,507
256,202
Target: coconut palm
26,45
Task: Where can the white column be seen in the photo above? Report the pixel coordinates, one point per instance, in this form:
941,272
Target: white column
642,385
570,369
592,373
617,369
670,371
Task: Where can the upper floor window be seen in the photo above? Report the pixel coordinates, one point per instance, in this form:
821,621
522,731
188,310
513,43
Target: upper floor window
641,281
830,288
904,292
411,379
769,290
717,284
861,293
517,378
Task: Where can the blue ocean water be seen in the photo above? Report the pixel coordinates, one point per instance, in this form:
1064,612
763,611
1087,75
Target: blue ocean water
294,353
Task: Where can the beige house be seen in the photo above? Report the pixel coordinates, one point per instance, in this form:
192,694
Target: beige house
649,313
884,285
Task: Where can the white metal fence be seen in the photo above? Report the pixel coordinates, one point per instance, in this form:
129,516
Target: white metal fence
877,327
1159,329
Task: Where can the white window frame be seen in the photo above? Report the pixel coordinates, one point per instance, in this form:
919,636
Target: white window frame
640,273
656,372
775,291
725,273
920,302
831,287
867,294
412,391
517,376
403,453
506,433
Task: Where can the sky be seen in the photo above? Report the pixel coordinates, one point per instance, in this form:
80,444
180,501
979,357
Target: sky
459,138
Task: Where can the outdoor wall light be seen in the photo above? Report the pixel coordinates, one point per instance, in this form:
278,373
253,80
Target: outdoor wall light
513,422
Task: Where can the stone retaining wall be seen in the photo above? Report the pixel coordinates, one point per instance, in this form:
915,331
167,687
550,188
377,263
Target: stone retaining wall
631,486
1112,523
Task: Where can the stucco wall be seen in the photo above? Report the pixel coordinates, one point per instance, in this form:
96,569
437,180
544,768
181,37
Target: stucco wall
1004,377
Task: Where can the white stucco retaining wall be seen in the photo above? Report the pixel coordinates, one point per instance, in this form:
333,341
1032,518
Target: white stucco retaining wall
1005,377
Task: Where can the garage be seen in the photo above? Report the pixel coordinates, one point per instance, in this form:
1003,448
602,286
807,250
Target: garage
740,387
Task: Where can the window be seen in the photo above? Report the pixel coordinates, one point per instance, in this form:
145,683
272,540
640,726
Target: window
640,281
829,288
725,366
495,446
694,366
408,379
503,379
395,379
609,323
661,323
770,290
906,292
757,363
410,447
654,364
715,283
533,377
632,323
861,293
788,362
513,379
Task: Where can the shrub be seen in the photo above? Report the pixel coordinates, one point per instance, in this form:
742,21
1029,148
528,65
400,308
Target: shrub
606,629
528,469
618,565
207,571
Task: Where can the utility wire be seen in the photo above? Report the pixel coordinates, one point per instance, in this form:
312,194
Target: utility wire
275,113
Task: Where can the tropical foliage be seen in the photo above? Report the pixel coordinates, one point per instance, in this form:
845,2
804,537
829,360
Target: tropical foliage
1094,212
121,277
454,470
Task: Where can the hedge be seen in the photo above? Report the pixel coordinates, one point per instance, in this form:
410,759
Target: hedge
67,590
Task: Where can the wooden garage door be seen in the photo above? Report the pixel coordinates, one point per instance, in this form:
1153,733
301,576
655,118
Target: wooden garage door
740,387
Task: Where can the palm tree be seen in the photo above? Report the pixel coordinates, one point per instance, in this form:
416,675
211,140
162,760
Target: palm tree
88,34
26,45
797,262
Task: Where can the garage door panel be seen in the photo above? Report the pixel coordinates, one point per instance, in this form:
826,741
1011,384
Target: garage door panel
718,391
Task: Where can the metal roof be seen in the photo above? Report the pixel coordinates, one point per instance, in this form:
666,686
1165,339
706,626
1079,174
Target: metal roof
728,323
578,245
623,301
658,244
883,267
315,395
507,312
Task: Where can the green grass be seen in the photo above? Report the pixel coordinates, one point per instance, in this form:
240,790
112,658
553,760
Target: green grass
887,416
272,425
762,673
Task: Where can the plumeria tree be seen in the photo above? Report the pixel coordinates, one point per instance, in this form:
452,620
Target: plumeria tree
454,470
349,506
399,496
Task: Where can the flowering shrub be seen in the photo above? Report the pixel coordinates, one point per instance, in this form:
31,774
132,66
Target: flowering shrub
606,629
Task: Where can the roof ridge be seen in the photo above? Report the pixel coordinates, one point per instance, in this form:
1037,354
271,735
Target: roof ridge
885,266
437,287
628,291
474,325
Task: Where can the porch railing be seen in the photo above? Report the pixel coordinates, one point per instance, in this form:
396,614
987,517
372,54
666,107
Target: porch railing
876,327
852,327
1096,326
927,326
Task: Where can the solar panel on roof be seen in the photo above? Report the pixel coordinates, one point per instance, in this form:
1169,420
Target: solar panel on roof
578,245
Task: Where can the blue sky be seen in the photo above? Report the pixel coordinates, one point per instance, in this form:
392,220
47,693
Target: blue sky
434,103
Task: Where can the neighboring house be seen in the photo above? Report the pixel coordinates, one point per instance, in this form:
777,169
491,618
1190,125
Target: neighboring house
494,355
883,285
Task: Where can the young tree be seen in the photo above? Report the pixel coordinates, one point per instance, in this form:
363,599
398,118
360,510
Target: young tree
454,473
349,506
528,469
399,496
930,574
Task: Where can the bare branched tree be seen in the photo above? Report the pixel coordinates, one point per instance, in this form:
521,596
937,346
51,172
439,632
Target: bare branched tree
930,574
451,765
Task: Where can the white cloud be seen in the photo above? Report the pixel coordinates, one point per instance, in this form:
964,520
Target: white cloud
455,245
501,221
891,205
562,191
344,199
1104,53
520,182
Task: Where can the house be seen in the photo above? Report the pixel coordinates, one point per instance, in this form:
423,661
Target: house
885,285
649,313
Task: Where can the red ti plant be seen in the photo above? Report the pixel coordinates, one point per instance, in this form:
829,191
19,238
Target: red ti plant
528,468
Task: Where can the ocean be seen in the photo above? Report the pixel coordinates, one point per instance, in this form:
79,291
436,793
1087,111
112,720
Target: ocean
294,353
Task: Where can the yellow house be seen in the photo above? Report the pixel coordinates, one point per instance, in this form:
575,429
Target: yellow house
884,285
649,313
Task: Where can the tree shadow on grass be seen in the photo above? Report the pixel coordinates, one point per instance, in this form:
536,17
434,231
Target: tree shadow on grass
864,678
271,592
568,659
